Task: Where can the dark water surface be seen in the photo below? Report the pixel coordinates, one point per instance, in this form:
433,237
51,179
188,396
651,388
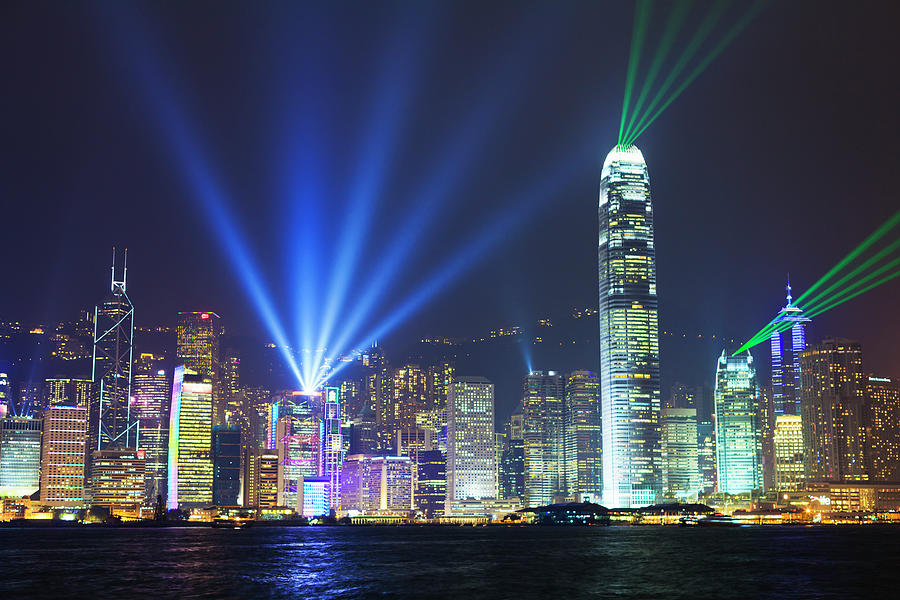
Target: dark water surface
450,562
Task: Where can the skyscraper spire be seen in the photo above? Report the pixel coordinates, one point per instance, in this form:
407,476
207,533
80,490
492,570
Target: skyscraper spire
789,297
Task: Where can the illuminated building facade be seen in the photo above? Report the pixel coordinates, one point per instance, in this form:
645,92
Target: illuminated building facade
117,481
111,424
629,333
190,433
67,392
377,483
20,456
332,446
786,347
260,481
226,459
313,496
63,455
738,443
231,388
543,401
706,455
298,438
471,459
681,469
152,393
6,409
788,442
197,347
833,405
512,462
883,398
583,457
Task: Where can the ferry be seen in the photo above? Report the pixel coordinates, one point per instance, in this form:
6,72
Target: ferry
718,520
241,522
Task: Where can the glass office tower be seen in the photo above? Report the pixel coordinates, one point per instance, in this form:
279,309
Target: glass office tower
629,333
738,441
786,347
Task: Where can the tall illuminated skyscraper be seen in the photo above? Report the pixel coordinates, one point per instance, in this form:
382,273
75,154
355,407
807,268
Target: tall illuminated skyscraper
786,347
629,333
111,424
738,442
471,456
152,395
190,435
883,399
332,446
197,347
297,440
543,400
833,411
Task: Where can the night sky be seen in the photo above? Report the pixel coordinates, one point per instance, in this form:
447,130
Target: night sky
780,158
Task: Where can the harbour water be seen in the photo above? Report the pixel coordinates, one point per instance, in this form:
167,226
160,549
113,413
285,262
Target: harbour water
463,563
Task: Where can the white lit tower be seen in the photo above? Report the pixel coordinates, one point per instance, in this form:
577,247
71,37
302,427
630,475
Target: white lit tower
332,445
629,333
111,425
786,347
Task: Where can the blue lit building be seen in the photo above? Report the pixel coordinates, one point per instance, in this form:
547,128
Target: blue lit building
332,445
20,456
313,496
629,333
786,348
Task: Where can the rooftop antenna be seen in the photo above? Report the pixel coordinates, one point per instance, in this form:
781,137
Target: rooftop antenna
125,270
112,276
789,298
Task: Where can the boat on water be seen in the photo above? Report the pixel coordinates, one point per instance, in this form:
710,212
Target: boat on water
718,520
232,522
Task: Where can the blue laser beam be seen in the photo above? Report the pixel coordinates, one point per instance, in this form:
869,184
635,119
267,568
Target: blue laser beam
176,133
461,153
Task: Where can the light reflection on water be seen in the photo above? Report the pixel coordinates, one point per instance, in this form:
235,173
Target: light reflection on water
444,562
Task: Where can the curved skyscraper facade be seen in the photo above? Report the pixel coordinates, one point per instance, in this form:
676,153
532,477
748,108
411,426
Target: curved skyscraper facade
629,333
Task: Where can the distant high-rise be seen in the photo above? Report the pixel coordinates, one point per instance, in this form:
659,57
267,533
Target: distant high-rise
373,483
629,333
883,397
6,400
63,455
20,456
512,462
786,347
680,453
197,347
543,402
152,399
833,411
788,443
67,392
111,423
738,443
190,434
471,456
583,458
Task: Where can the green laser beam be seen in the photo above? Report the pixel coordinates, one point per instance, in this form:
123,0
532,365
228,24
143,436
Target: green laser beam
874,237
881,281
887,250
687,54
641,18
673,26
751,13
883,268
